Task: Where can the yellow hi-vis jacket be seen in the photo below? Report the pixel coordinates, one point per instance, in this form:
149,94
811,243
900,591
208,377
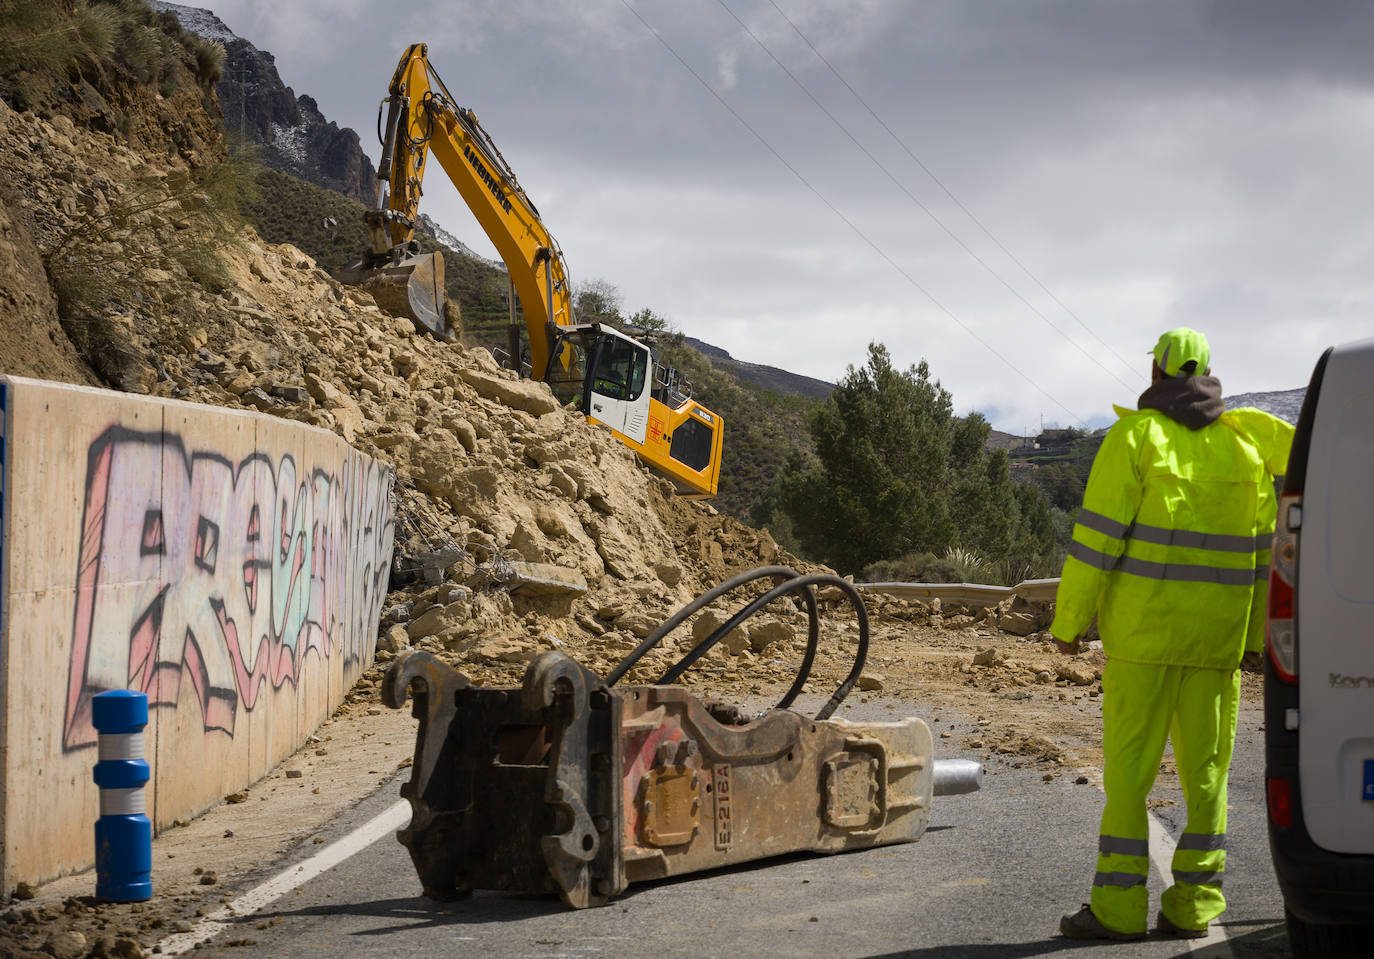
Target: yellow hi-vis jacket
1171,548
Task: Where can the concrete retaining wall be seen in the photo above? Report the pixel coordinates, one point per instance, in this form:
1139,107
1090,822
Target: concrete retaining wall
230,565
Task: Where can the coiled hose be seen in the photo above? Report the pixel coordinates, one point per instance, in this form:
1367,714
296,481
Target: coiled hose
789,581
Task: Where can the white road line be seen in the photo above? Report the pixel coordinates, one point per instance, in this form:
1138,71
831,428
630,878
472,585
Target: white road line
1215,943
291,878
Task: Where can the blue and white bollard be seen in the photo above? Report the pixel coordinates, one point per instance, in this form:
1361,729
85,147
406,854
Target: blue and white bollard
123,833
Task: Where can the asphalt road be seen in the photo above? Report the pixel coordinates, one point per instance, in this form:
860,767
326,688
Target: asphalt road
990,878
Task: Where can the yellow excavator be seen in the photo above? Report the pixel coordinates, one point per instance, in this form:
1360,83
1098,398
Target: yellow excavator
614,378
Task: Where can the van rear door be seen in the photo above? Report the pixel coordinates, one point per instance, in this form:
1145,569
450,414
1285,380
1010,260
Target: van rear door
1335,609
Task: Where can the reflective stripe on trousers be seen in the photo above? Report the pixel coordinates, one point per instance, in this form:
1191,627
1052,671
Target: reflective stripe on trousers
1143,706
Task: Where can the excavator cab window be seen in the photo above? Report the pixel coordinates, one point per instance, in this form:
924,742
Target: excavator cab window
691,445
621,367
567,373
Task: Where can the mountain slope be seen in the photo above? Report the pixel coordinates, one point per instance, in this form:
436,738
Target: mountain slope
288,131
764,377
490,471
1285,404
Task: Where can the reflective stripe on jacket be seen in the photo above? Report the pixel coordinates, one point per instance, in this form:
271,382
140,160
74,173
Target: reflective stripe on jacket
1171,548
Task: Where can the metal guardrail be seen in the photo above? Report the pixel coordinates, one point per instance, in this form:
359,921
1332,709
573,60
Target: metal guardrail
970,594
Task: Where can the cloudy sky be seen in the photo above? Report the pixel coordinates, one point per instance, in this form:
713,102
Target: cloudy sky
1023,193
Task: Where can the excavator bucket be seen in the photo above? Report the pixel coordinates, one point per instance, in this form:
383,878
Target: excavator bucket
415,288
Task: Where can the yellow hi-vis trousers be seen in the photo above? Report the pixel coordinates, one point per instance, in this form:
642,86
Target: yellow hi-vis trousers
1141,706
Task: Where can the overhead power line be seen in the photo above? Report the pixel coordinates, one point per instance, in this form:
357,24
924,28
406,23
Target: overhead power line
938,182
849,223
912,197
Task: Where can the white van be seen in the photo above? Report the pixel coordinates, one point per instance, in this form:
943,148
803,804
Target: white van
1319,671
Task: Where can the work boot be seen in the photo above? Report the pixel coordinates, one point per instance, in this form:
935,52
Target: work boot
1084,924
1166,925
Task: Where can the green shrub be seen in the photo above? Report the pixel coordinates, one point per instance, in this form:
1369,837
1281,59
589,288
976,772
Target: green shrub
913,568
210,57
38,37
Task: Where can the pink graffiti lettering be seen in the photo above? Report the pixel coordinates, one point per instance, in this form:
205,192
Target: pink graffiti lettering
227,574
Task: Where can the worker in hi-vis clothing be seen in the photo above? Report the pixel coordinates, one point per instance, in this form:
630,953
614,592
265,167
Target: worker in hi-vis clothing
1171,553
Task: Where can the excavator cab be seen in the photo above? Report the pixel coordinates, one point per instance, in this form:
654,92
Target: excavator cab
615,381
607,373
616,394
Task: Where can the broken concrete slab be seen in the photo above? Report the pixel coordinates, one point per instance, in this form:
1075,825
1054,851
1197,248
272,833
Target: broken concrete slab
544,579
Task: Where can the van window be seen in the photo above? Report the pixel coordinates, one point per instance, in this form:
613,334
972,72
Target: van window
1350,522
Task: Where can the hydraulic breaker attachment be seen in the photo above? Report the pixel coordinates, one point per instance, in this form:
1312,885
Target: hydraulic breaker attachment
570,786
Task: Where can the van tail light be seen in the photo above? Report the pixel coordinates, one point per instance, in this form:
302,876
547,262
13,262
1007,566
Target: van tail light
1281,634
1280,796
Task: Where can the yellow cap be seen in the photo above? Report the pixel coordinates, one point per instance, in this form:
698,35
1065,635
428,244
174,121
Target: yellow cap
1179,346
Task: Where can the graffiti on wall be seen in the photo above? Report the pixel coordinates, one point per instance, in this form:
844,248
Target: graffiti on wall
231,576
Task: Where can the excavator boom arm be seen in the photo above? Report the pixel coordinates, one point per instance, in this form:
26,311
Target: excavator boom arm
426,120
613,376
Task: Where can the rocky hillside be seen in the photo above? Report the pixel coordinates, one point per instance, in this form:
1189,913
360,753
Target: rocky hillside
520,526
288,131
764,377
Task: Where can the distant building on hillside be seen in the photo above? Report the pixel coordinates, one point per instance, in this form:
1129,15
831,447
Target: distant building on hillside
1054,437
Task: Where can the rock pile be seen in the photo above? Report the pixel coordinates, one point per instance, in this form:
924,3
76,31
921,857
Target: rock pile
521,527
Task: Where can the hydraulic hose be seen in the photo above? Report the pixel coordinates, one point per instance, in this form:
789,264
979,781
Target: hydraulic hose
794,583
681,615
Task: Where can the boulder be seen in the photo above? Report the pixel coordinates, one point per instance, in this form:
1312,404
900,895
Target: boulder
989,657
765,631
1079,674
621,557
638,622
436,619
544,579
395,639
1019,623
524,395
669,571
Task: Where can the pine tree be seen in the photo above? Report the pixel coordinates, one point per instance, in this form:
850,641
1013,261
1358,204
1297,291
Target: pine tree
899,473
884,442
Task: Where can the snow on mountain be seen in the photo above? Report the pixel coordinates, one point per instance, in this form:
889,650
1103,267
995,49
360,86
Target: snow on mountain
292,141
1285,404
291,134
455,244
202,23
